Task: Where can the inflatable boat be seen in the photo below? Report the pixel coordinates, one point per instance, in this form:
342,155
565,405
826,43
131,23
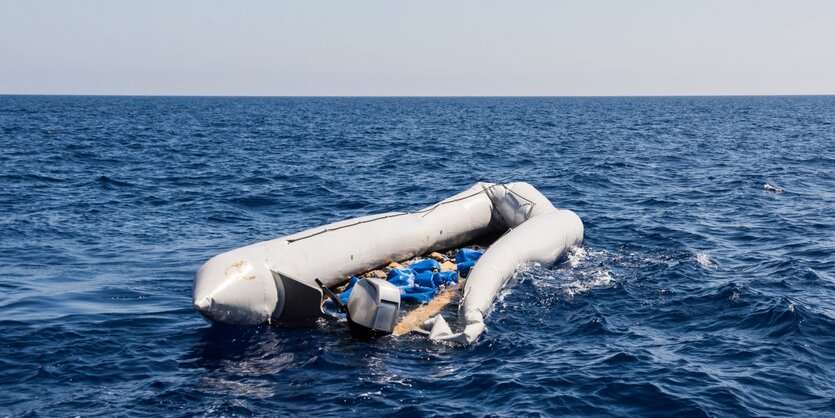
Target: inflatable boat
286,280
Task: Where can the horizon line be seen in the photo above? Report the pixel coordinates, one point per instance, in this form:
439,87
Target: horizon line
418,96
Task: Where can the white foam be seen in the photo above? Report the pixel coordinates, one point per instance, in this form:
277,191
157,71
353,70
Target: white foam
704,260
588,281
772,188
576,255
582,273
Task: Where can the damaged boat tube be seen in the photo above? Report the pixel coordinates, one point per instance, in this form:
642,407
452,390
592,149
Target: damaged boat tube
276,281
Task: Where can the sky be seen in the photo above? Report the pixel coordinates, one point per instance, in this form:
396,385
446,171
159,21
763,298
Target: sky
417,48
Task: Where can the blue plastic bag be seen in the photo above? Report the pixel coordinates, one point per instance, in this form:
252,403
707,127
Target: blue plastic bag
426,265
445,278
465,267
417,294
466,259
343,297
466,254
435,280
425,279
401,277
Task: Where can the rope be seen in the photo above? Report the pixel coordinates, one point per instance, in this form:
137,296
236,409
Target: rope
429,210
394,215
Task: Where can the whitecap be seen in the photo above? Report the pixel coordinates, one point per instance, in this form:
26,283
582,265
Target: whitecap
772,188
704,260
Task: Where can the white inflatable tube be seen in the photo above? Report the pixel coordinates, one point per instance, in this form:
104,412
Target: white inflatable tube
542,239
275,280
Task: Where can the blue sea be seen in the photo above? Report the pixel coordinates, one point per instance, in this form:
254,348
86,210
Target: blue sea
697,292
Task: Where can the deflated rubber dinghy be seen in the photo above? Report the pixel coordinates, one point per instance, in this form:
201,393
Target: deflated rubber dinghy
283,280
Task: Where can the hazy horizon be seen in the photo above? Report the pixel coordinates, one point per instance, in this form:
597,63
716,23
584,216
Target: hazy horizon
359,96
410,49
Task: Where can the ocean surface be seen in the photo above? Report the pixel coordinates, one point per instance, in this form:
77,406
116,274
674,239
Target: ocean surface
697,292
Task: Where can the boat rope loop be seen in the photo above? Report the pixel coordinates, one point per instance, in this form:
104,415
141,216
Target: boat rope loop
423,213
484,189
392,215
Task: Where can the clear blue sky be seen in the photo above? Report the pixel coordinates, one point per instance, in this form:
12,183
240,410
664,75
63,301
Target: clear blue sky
269,47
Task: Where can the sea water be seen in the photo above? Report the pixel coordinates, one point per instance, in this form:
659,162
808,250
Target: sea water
697,292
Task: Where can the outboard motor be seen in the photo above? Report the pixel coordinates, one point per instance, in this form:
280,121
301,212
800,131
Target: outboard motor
372,308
